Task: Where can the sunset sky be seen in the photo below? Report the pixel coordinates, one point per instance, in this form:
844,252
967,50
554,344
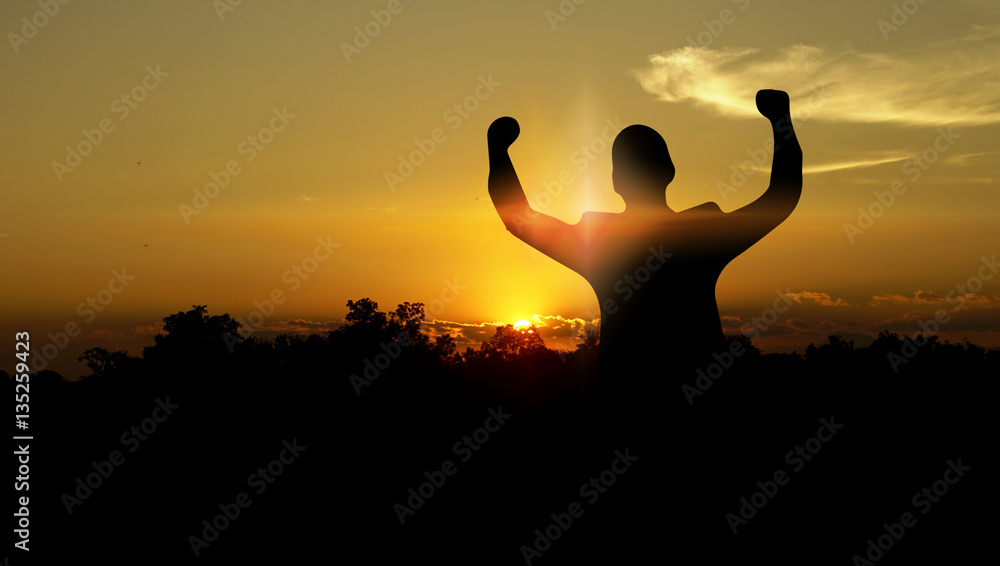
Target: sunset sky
347,124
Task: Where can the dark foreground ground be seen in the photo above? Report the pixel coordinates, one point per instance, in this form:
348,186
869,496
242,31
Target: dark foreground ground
823,455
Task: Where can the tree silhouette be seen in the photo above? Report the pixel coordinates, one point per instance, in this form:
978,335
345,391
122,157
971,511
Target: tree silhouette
836,348
364,313
407,318
886,342
591,342
509,344
446,350
368,330
103,363
750,350
193,334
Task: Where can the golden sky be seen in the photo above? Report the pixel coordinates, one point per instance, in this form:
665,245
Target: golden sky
319,152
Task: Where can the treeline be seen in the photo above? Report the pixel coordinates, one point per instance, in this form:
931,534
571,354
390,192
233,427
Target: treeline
379,408
373,342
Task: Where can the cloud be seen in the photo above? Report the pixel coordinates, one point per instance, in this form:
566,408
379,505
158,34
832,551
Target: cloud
920,297
824,299
824,327
828,326
928,298
731,324
974,299
297,326
472,334
147,329
103,338
798,325
890,156
559,327
957,321
103,334
944,83
853,164
980,158
388,208
466,334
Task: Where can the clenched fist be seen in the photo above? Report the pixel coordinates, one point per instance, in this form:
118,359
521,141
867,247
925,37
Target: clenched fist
772,104
502,133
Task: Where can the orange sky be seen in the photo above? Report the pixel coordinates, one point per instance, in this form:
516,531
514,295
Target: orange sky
303,117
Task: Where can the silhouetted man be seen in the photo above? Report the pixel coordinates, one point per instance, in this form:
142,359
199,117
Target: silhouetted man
654,270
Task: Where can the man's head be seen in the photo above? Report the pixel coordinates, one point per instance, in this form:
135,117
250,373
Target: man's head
641,166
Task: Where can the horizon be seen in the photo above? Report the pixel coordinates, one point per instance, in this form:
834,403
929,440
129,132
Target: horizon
486,330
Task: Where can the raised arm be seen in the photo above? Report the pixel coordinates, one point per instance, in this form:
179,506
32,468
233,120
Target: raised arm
548,235
764,214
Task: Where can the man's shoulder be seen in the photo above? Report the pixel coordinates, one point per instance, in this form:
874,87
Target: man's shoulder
596,217
705,208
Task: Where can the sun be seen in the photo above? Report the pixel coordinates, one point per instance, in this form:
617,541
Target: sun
522,325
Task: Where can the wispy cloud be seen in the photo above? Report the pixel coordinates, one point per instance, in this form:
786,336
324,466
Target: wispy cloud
918,298
979,158
147,329
951,82
473,333
465,333
852,164
559,327
297,326
800,326
103,334
960,321
824,299
928,298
